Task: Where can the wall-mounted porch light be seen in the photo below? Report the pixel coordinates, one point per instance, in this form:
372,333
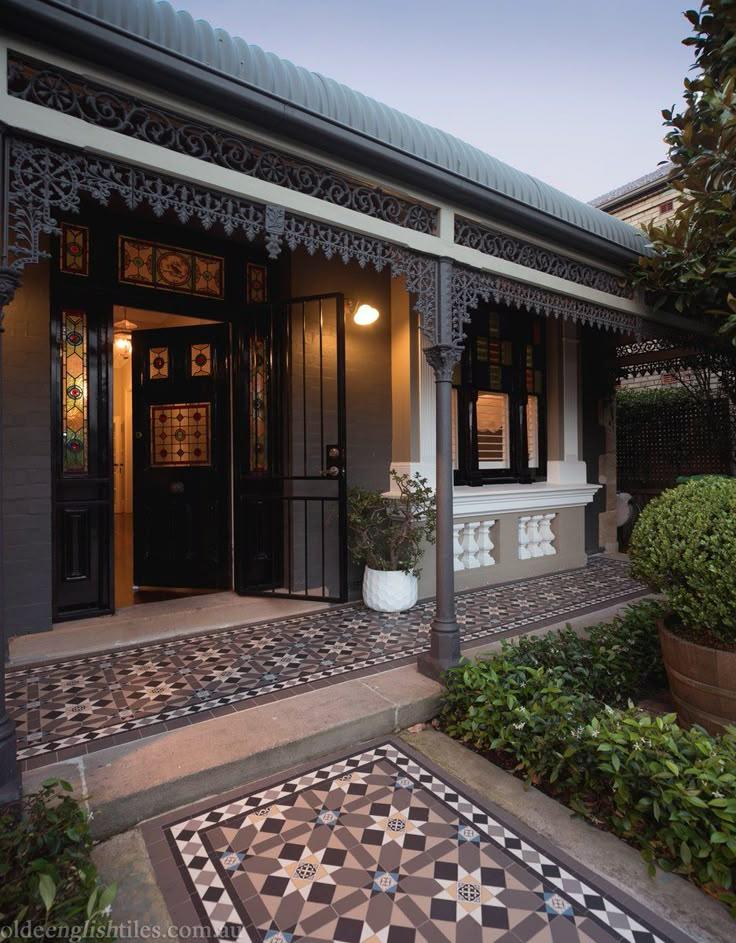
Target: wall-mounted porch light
366,314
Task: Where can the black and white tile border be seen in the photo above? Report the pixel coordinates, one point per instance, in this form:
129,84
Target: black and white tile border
186,840
349,638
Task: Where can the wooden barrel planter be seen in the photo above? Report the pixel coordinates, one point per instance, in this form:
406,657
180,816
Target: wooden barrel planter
702,681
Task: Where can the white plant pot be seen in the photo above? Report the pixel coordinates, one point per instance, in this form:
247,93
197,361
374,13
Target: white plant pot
389,590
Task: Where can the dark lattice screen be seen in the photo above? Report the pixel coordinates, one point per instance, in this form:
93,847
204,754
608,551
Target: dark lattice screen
655,447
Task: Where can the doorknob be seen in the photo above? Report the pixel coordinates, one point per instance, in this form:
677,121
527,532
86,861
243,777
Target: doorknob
139,435
332,472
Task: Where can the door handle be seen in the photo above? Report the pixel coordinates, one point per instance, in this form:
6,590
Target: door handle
332,472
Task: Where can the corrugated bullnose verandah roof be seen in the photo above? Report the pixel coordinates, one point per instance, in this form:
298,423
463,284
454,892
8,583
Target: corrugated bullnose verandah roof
158,24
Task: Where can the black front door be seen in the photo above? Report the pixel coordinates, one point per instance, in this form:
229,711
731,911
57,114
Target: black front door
181,457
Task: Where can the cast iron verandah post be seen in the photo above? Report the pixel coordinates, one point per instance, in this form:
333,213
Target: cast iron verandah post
9,770
442,356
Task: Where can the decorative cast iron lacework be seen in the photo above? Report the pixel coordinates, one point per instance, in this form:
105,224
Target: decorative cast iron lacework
470,285
511,249
71,94
44,179
155,266
664,355
180,434
74,250
74,420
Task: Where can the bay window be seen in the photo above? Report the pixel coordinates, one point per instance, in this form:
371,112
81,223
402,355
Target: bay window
498,400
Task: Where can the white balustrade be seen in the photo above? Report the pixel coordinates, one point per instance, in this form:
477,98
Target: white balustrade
536,536
472,545
485,544
457,547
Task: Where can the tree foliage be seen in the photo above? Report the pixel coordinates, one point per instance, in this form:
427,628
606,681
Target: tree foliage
693,268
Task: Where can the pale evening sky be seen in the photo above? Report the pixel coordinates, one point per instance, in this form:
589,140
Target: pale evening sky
570,91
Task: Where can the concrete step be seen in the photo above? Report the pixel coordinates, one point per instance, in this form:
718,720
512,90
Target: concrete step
138,780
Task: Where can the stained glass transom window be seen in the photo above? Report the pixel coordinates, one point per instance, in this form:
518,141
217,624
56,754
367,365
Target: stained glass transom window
255,291
158,363
74,254
156,266
201,360
75,417
258,404
180,434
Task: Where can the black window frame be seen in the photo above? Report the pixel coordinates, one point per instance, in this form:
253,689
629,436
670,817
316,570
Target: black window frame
517,329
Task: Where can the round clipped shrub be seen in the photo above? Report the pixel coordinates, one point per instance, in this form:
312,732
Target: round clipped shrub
684,546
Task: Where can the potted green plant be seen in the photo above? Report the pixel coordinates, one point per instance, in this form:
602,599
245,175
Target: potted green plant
684,547
388,534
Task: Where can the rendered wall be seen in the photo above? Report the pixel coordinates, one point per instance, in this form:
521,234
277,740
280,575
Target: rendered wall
569,544
26,457
367,368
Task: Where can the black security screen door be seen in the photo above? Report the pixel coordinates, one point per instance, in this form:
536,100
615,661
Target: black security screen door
290,521
181,457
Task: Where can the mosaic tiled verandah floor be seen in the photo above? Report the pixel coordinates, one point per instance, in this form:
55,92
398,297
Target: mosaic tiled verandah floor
379,847
87,703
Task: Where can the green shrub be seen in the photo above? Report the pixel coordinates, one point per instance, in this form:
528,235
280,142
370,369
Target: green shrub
46,873
684,546
554,709
616,661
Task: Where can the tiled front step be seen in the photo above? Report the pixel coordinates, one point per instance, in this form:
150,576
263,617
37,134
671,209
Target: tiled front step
131,782
135,781
551,825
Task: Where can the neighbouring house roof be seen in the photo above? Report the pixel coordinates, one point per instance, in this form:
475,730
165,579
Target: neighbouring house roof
519,197
647,182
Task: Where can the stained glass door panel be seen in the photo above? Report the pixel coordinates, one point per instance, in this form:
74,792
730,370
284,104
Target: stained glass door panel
181,457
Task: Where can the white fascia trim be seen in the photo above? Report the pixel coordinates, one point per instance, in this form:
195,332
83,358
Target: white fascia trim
500,499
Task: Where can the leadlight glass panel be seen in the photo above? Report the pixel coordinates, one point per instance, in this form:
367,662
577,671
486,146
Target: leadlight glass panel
168,267
74,254
158,363
180,434
259,404
75,418
201,360
255,290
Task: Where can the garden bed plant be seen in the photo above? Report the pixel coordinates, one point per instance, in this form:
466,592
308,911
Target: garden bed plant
559,712
47,877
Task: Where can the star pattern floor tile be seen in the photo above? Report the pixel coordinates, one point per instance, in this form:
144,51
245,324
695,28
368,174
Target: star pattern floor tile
379,847
90,702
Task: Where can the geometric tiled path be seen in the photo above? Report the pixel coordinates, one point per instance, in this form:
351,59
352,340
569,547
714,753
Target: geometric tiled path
72,707
379,847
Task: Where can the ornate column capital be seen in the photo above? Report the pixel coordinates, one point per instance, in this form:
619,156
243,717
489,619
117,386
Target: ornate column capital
442,358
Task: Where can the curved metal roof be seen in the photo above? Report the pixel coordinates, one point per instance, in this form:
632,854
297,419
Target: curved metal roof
158,23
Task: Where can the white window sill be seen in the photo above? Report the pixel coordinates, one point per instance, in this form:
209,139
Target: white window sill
541,496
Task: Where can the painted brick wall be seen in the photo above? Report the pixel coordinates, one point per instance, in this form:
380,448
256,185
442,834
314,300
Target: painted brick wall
26,443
